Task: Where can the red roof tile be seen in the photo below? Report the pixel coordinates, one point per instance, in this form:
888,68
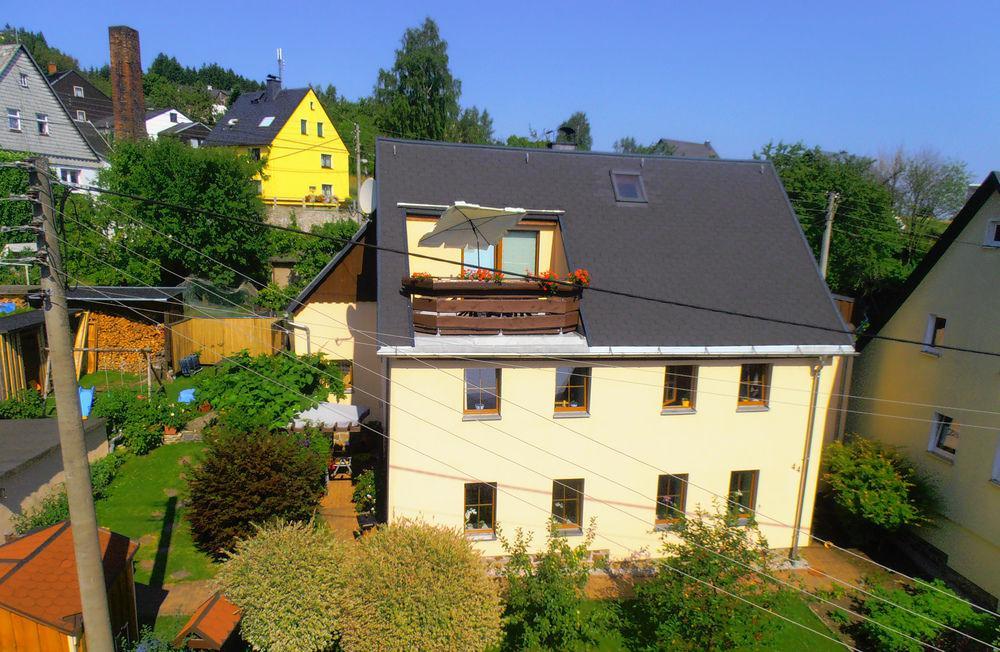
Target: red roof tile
211,625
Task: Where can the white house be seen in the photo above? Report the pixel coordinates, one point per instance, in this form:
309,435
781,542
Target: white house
159,120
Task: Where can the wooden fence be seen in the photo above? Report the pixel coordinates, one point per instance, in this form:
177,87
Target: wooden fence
214,339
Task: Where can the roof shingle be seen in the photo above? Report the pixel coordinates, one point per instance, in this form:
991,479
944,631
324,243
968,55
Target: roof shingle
249,110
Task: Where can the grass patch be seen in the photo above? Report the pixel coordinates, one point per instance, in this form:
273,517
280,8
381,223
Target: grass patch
103,380
167,627
145,503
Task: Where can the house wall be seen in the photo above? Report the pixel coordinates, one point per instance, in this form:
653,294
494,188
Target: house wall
624,419
294,158
18,634
94,103
962,288
158,123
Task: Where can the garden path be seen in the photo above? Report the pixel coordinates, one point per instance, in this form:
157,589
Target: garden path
337,509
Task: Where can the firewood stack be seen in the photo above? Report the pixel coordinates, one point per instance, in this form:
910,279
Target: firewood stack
111,331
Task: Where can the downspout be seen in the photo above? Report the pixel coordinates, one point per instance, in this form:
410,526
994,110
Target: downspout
815,370
301,327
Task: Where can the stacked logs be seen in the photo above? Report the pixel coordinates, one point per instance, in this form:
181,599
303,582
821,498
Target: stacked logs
106,331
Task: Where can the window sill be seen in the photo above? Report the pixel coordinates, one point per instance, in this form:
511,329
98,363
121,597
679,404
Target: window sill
752,408
480,417
569,532
948,458
666,411
481,536
582,414
934,353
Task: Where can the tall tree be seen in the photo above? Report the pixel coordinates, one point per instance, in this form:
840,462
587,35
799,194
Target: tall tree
629,145
473,126
418,96
866,243
40,50
580,125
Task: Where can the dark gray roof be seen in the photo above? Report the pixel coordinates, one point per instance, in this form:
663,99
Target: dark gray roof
22,440
116,294
249,109
152,113
715,233
691,149
365,289
93,137
21,320
190,129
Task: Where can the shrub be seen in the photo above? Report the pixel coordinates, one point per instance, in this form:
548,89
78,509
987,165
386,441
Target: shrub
138,419
545,604
115,405
265,391
251,478
364,492
287,578
26,404
148,642
415,586
875,484
104,470
678,606
53,509
939,605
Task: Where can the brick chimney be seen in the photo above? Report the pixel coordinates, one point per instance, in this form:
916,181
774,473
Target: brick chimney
126,83
52,68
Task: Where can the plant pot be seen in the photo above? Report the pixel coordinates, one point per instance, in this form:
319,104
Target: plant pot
205,407
169,430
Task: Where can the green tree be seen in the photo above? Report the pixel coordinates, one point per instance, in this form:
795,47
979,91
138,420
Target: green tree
193,101
345,113
533,139
678,606
211,179
580,125
287,579
40,50
418,96
473,126
251,478
629,145
866,244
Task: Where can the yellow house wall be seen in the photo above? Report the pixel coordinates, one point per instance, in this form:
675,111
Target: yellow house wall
551,255
962,288
625,415
293,159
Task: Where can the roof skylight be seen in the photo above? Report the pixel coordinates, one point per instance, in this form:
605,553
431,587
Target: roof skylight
628,186
266,122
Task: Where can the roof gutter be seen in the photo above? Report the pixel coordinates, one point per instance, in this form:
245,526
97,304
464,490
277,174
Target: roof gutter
441,207
501,351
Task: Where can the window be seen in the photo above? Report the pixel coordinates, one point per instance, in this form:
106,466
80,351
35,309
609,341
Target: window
326,160
742,495
255,153
679,387
42,121
628,186
78,91
319,129
81,115
754,382
266,121
519,252
484,256
671,498
13,119
24,80
992,234
347,373
328,192
944,435
173,116
303,126
482,391
68,175
572,389
934,334
567,504
480,508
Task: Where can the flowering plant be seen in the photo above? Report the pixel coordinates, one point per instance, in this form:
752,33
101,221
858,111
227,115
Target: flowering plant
483,275
579,277
548,280
420,275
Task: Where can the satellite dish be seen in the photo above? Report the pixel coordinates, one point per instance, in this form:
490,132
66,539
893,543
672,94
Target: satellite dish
366,196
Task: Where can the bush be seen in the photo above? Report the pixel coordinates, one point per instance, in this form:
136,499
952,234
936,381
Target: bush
265,391
939,605
139,419
287,579
148,642
415,586
115,405
679,611
104,470
545,604
364,492
26,404
876,485
251,478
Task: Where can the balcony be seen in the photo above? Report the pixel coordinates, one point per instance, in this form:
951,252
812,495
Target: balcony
447,306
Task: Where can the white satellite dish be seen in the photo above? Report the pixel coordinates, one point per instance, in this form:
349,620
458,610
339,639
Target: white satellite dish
366,196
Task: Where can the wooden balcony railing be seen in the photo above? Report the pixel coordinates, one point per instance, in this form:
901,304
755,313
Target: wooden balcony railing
463,307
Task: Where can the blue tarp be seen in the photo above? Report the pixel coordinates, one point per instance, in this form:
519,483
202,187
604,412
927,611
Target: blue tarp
186,396
86,400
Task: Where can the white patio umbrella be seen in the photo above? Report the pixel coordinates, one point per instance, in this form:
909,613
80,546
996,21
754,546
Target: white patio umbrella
464,225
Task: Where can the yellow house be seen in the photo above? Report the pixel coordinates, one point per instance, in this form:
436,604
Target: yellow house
506,404
939,405
305,159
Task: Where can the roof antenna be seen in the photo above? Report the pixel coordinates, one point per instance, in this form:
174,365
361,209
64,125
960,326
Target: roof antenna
281,65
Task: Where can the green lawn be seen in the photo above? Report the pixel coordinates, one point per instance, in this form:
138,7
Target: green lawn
167,627
102,380
145,504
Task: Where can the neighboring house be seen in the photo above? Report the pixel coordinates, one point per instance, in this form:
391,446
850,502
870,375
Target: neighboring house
84,101
941,407
31,463
305,160
220,101
158,120
40,607
509,405
690,149
37,122
192,133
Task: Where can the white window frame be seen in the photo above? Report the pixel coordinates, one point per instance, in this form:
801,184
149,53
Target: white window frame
930,329
328,195
81,115
16,115
937,423
23,80
42,120
69,175
78,91
326,161
990,239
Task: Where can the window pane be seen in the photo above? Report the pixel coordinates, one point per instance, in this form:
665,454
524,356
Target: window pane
519,249
627,186
481,390
671,493
754,384
742,493
484,256
480,506
319,128
571,388
303,127
945,434
678,386
567,502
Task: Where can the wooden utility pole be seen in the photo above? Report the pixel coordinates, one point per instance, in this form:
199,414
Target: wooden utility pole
83,519
832,198
357,166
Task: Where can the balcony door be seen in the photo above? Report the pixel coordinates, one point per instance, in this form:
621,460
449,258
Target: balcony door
483,256
519,252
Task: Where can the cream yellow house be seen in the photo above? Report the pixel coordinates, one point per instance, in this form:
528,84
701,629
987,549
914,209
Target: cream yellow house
939,405
305,161
507,403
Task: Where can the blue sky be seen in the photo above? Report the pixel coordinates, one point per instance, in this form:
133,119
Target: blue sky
858,76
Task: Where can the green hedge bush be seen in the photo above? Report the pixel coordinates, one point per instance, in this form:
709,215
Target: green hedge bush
26,404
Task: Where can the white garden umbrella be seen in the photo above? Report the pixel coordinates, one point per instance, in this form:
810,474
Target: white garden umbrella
464,225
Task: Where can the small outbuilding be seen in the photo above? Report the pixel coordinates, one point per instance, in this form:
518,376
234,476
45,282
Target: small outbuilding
213,626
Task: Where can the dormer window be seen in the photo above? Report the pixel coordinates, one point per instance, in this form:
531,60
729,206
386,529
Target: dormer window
78,91
23,80
81,116
992,233
628,186
266,122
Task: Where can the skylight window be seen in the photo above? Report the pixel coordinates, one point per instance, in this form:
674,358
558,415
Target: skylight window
266,122
628,186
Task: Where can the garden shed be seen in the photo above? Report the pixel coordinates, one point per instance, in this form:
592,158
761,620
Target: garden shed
22,352
213,626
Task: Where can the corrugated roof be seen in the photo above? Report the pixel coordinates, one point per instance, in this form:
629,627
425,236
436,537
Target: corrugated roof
40,582
211,625
716,233
249,109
